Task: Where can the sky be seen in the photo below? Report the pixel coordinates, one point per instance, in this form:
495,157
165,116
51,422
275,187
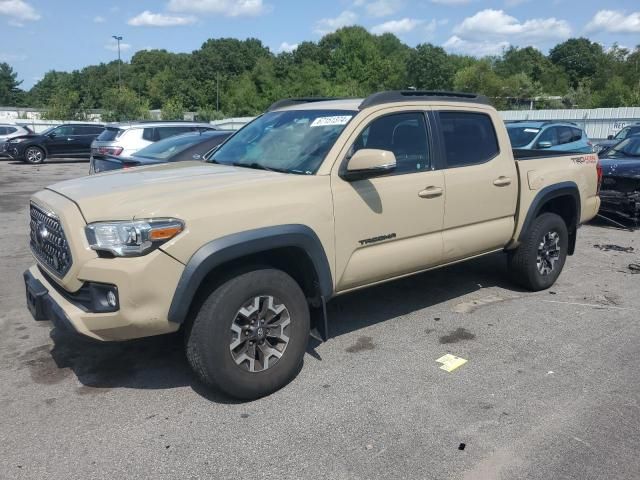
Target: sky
41,35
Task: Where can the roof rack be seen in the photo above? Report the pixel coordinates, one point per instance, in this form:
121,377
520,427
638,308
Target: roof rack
394,96
288,102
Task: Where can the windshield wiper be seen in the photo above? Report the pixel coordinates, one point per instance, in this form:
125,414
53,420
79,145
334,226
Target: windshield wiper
259,166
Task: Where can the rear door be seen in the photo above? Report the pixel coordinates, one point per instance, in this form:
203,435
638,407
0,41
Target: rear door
84,135
481,183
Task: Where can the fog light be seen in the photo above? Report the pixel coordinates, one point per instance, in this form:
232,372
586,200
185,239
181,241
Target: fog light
111,299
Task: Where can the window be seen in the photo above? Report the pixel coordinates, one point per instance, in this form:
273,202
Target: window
166,132
109,134
11,130
565,135
549,135
469,138
88,130
3,131
404,134
149,134
63,130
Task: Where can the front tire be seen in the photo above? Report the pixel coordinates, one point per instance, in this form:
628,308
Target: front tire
34,155
249,337
537,263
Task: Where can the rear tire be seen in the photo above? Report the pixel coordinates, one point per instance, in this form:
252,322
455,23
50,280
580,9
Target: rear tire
537,263
249,337
34,155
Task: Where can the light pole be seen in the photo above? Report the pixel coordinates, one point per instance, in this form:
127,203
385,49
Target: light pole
117,38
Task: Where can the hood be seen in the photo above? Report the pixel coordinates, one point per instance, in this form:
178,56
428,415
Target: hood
27,136
621,167
159,190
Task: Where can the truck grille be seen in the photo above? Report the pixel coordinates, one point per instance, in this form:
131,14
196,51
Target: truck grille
48,242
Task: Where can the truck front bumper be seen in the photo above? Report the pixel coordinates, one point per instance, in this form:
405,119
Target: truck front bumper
145,290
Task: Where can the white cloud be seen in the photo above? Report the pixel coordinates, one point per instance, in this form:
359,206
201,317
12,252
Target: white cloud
615,21
287,47
483,48
99,19
113,46
495,24
383,8
150,19
12,57
18,12
329,25
229,8
397,27
452,2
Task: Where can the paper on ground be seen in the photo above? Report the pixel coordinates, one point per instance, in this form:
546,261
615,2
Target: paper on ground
450,362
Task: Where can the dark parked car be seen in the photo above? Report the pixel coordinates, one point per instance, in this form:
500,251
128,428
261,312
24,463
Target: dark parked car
68,140
188,146
611,140
620,193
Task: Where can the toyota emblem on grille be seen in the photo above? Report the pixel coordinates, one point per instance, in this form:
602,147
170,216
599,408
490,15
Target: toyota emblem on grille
41,233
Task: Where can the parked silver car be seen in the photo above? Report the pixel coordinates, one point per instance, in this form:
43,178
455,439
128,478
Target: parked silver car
8,131
127,138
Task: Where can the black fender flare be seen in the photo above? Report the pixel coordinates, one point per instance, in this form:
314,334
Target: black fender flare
549,193
238,245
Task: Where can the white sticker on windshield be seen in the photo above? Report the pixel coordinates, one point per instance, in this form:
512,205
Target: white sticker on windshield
331,121
532,130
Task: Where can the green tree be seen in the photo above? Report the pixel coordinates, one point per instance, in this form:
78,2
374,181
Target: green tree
9,83
173,109
430,68
579,57
122,104
64,105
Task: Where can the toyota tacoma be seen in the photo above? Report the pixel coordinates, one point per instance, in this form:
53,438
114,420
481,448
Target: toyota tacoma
313,199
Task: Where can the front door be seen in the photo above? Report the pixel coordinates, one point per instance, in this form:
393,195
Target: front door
390,225
61,141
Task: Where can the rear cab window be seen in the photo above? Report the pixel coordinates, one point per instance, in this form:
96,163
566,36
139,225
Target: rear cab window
469,138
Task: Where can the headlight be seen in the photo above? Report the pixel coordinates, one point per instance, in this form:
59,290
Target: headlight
132,238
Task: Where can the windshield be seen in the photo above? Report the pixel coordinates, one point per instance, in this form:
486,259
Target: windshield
169,147
521,136
293,141
626,148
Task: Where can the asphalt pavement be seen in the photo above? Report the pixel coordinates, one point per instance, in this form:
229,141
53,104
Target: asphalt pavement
550,390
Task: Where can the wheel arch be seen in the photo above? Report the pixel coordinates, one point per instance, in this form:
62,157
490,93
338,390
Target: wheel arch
293,248
562,199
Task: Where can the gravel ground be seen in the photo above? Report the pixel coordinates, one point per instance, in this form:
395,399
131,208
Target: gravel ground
551,389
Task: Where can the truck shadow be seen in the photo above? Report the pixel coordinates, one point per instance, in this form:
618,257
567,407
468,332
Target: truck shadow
160,363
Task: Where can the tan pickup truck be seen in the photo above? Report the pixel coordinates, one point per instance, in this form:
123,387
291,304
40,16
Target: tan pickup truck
311,200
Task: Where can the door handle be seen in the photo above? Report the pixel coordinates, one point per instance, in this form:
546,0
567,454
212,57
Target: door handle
502,181
430,192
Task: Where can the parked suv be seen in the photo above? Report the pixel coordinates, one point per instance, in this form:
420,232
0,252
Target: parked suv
127,138
68,140
309,201
558,136
8,131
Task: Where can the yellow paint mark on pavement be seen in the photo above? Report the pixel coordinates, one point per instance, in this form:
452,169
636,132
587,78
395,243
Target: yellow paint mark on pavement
450,362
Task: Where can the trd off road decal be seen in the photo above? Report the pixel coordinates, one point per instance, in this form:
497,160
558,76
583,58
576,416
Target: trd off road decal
583,159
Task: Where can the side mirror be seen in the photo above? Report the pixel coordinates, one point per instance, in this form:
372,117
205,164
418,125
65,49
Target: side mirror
369,162
52,135
610,137
544,145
